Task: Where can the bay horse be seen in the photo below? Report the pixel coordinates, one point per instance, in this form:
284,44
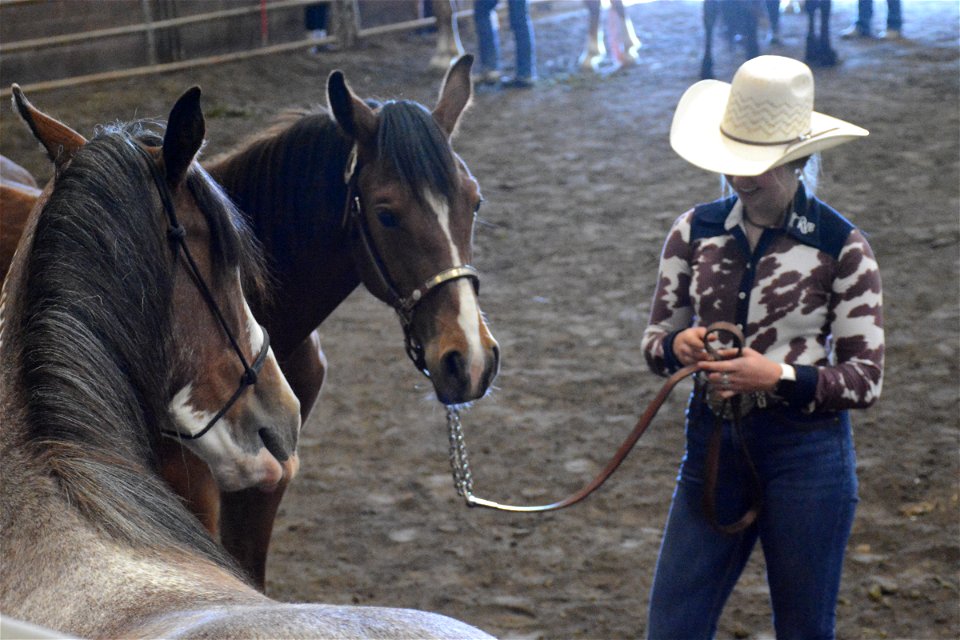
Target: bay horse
18,194
246,431
819,52
360,192
741,18
624,45
94,334
449,49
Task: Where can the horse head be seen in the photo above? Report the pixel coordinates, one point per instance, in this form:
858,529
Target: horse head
248,436
412,204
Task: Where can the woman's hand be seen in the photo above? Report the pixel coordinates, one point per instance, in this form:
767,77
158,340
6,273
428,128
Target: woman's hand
688,346
751,371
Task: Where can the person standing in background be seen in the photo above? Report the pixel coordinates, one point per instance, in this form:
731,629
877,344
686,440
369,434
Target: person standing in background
488,41
862,27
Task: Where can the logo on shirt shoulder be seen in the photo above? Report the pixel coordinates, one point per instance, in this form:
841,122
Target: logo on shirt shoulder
803,225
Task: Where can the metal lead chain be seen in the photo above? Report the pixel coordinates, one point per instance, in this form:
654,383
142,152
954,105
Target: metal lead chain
459,462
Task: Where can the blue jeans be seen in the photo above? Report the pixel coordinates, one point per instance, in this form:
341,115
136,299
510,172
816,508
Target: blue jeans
865,15
808,485
488,36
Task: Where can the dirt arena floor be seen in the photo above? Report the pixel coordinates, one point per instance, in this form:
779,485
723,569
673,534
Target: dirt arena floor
581,187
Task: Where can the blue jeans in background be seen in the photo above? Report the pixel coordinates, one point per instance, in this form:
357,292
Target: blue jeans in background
865,15
488,36
808,485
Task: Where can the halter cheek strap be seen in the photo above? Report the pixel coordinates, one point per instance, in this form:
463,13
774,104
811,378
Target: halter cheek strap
178,238
249,378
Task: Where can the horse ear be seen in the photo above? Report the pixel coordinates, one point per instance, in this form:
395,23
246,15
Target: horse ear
60,141
454,95
353,115
184,136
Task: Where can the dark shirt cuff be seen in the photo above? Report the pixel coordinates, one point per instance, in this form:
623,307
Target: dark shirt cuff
669,358
800,393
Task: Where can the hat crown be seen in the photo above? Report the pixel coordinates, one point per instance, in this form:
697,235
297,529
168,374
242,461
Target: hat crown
771,101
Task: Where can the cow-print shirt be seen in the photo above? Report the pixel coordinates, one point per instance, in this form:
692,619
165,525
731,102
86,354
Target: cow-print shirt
808,295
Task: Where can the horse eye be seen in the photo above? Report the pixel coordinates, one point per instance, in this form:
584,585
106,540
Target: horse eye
388,220
476,209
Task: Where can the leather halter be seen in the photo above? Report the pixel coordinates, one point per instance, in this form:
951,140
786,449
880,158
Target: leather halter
178,238
382,285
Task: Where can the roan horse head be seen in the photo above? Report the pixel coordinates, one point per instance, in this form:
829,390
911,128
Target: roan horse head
248,436
412,203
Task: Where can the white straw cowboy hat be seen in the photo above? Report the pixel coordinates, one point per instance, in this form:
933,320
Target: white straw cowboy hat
764,119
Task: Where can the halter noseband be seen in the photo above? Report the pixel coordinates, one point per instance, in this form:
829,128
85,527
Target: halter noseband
178,238
364,249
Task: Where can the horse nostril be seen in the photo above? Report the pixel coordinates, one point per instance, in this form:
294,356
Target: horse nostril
496,358
454,365
273,445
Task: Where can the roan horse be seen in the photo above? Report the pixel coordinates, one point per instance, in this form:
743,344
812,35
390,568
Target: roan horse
94,332
249,439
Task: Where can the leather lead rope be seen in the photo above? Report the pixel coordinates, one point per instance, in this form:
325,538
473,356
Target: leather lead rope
463,478
731,407
465,490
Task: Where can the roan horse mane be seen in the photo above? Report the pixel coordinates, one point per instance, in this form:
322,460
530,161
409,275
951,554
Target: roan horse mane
96,307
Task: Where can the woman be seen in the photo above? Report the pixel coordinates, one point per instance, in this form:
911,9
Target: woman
802,285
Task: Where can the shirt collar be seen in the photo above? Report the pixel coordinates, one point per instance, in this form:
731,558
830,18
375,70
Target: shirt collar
803,223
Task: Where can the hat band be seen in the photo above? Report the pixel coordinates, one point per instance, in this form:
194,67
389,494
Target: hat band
803,137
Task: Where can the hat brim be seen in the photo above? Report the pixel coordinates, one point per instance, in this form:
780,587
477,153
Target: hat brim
695,135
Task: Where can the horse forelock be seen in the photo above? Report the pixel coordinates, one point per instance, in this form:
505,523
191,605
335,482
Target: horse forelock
93,334
415,150
232,242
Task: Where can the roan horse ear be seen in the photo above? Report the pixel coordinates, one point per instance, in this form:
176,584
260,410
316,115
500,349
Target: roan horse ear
60,141
353,115
184,136
454,95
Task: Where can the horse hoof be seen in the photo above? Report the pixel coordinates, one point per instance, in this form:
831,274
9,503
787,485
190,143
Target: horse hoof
590,62
627,57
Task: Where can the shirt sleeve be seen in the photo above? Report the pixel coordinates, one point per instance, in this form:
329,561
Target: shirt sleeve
855,375
671,310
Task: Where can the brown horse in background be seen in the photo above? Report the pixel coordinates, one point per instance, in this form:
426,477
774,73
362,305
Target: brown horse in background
18,194
360,193
95,326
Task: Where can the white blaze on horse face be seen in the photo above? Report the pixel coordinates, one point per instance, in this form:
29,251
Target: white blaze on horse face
257,337
469,316
189,421
255,331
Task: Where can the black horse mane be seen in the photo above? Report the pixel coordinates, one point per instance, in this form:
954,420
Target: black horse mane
95,331
289,179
